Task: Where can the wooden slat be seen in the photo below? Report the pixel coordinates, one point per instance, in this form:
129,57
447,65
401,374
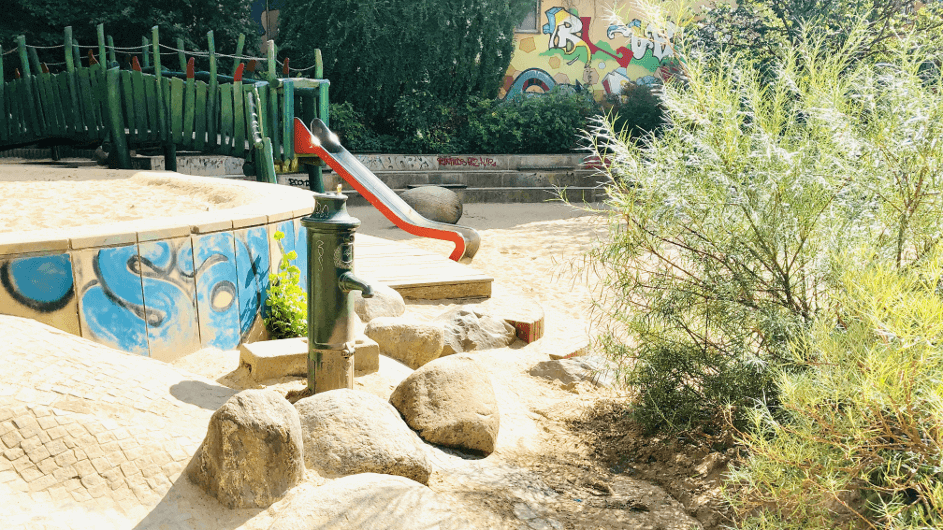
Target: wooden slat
189,112
83,78
176,110
225,129
140,105
128,107
201,116
238,120
288,114
153,114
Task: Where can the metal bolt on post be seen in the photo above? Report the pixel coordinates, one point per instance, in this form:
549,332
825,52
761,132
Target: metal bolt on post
330,235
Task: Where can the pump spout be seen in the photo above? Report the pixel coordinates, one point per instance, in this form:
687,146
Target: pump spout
348,282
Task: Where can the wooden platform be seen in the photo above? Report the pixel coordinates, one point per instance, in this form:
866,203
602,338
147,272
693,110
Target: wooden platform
417,273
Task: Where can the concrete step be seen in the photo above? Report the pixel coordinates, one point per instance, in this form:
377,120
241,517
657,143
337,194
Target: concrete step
507,195
491,179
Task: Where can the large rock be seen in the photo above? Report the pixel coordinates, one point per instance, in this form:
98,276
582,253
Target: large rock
467,329
413,343
451,402
347,432
386,302
368,501
593,368
434,203
252,453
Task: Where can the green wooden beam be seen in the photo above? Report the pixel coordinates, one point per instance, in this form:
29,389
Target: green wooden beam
239,45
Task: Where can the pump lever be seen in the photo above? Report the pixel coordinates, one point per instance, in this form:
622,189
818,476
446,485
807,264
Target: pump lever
348,282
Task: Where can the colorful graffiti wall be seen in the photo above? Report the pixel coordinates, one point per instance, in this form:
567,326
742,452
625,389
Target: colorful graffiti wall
576,45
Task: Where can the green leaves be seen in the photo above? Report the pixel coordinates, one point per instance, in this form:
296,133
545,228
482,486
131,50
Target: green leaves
287,303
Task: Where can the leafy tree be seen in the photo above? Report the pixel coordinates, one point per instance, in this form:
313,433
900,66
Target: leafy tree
127,21
377,52
763,28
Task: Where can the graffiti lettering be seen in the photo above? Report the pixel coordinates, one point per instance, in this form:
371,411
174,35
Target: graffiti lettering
564,28
395,162
468,161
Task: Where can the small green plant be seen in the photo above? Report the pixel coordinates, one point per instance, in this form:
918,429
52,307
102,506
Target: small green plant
287,302
857,438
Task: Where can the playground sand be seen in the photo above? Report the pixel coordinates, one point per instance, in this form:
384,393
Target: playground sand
37,197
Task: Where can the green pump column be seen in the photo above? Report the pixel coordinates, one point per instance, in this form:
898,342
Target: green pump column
330,236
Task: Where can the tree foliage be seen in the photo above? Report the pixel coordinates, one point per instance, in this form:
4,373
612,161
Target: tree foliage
724,226
762,29
378,51
42,21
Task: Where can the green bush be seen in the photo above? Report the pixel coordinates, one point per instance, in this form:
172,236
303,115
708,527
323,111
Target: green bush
548,123
857,439
287,303
724,226
636,110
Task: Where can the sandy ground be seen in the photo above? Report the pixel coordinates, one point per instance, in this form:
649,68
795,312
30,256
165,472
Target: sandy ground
37,197
534,253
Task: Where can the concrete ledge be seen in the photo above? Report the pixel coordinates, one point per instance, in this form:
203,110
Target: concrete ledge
273,359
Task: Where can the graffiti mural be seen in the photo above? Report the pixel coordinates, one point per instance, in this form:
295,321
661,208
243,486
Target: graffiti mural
41,288
111,301
588,53
167,278
252,269
214,256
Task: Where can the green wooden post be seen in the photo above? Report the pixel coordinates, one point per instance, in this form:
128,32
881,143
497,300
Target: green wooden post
34,61
288,119
238,120
146,52
119,141
76,54
212,96
323,101
181,56
4,119
101,45
32,111
74,112
112,57
272,66
170,150
239,45
189,108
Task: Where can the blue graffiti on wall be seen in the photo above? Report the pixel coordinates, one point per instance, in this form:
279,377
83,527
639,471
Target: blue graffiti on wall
41,283
166,269
252,266
217,298
113,303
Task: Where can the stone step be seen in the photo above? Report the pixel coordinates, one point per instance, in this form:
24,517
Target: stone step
507,195
490,179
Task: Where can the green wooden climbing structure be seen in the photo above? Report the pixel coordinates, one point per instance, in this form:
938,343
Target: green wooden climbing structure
242,113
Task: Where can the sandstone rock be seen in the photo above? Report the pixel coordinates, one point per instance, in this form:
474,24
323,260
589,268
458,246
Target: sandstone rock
413,343
367,356
434,203
468,329
386,302
368,501
523,312
347,432
592,368
451,402
252,453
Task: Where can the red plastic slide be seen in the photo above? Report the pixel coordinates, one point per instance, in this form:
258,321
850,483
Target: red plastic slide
320,141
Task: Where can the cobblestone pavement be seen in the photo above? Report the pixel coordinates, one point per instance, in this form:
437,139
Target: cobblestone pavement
91,430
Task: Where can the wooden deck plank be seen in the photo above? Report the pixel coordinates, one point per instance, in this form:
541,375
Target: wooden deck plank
417,273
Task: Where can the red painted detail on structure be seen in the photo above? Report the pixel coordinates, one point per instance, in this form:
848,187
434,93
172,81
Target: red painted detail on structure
135,64
91,58
16,73
44,68
190,72
472,161
252,65
239,69
285,67
624,56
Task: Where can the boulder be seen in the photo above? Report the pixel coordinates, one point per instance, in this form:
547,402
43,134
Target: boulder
386,302
434,203
368,501
467,329
347,432
252,453
593,368
451,402
413,343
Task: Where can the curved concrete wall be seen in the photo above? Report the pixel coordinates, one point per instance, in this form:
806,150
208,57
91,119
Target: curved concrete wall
163,287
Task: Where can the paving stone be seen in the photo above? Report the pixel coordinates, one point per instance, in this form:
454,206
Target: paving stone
41,483
31,473
65,473
13,454
66,458
48,465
